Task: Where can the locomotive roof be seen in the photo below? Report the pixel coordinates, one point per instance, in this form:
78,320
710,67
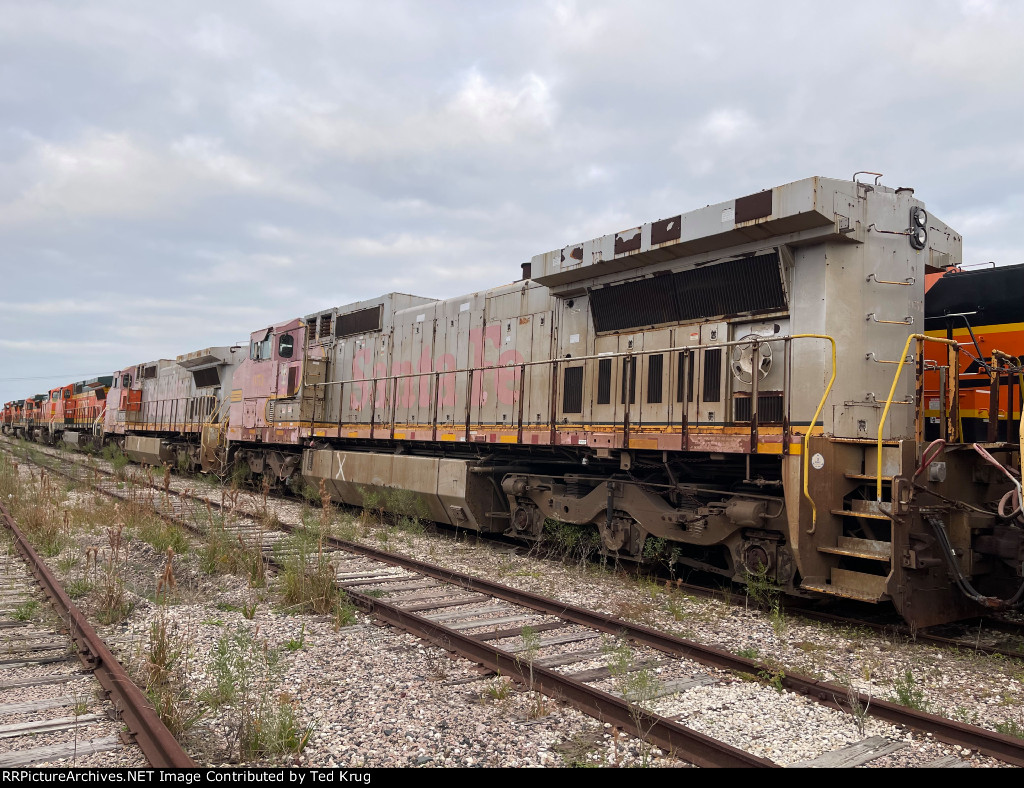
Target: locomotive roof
400,300
812,208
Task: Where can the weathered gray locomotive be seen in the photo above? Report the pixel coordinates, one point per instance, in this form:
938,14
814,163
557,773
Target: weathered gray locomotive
738,389
725,381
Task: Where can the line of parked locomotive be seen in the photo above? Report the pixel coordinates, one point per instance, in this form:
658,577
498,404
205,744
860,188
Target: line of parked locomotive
738,389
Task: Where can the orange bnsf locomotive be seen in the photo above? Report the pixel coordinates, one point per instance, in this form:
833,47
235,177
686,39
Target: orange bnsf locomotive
741,389
983,310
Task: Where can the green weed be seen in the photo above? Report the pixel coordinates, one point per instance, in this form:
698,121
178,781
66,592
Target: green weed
308,577
26,610
78,588
499,689
1010,728
576,543
295,644
907,692
244,675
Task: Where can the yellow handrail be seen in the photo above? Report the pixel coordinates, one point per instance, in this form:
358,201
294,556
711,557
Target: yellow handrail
892,391
807,436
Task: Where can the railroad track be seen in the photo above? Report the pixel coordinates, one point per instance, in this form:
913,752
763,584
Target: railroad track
511,632
989,636
58,680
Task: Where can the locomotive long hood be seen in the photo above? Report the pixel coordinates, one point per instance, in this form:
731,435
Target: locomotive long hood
811,210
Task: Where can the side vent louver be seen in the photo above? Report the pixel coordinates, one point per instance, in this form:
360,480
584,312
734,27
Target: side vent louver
769,408
604,381
750,284
713,375
572,394
358,322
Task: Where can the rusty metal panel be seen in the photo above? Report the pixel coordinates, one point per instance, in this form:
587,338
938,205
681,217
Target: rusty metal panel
627,241
754,206
572,255
804,208
666,230
406,345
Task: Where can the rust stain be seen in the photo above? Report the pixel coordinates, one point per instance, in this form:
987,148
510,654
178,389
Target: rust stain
666,230
627,241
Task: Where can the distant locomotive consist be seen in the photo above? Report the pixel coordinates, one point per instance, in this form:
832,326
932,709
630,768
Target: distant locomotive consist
739,389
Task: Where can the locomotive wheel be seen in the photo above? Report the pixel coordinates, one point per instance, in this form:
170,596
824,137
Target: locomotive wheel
619,535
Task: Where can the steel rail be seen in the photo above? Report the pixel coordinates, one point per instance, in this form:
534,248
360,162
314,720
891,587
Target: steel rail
1006,748
670,736
157,744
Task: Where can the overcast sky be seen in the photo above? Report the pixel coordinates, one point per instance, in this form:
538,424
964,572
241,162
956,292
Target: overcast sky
175,176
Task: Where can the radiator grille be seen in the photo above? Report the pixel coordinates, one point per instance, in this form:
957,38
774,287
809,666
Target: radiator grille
206,377
358,322
750,284
769,408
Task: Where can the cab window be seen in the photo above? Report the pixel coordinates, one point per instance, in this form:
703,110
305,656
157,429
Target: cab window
260,351
285,345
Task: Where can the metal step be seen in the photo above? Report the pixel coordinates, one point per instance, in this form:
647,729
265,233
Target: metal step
867,477
869,515
860,548
851,585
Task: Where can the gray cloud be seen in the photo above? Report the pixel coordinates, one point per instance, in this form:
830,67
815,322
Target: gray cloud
176,176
